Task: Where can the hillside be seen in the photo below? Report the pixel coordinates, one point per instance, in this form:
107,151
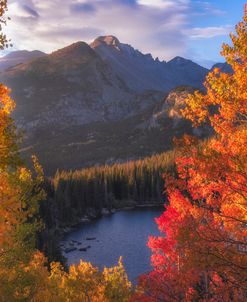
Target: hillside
89,104
19,57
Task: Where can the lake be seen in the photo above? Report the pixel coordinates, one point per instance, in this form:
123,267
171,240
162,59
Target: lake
124,233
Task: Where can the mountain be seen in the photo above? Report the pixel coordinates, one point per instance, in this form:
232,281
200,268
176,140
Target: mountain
224,67
19,57
72,86
142,72
87,104
186,72
95,143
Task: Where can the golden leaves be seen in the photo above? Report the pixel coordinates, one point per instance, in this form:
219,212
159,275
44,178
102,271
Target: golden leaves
224,106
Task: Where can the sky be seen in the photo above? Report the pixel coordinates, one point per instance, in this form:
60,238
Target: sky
194,29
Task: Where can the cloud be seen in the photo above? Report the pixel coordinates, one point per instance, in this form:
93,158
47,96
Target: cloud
30,11
162,4
209,32
151,26
160,27
23,9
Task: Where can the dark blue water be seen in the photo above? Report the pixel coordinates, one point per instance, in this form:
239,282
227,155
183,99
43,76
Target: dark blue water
124,233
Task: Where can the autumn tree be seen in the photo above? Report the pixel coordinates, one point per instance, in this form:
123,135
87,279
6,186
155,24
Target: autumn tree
202,255
20,193
86,283
4,41
24,273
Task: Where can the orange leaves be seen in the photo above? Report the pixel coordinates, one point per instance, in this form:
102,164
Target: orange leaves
20,194
23,272
196,109
224,105
8,139
202,253
7,105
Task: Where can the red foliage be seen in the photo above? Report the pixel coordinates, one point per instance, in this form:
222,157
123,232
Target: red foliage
201,254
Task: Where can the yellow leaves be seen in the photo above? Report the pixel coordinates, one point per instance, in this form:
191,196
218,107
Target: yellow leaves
85,283
56,270
25,175
20,194
7,105
196,109
117,285
8,139
38,169
23,281
23,274
84,268
224,104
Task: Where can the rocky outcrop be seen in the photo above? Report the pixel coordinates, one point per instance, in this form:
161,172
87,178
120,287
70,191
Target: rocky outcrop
170,108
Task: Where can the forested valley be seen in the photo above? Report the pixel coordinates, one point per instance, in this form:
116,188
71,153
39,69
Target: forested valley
201,253
112,187
73,196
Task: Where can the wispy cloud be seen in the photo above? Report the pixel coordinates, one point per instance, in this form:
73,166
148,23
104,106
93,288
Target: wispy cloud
23,9
151,26
162,27
209,32
30,11
162,3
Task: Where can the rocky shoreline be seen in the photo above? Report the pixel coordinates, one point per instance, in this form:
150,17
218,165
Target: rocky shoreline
92,214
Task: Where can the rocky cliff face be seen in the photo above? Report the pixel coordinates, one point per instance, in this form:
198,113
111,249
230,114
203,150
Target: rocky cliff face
87,104
142,72
170,108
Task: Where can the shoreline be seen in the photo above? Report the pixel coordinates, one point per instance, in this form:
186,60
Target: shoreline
86,219
67,246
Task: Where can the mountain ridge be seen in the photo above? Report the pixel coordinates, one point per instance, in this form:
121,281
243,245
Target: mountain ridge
18,57
86,104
